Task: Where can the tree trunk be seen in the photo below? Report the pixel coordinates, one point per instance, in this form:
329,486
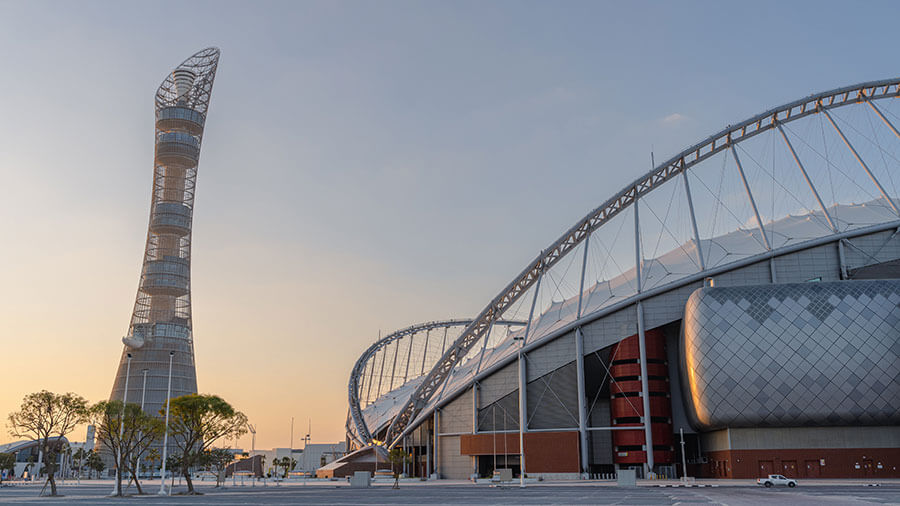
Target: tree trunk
134,477
187,478
119,479
52,484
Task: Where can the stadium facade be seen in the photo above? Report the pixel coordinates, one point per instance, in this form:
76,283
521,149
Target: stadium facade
161,328
745,293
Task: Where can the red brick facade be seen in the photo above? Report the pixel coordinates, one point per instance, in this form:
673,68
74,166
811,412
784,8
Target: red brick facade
545,452
862,463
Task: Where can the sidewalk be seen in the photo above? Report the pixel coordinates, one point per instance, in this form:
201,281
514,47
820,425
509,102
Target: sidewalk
531,482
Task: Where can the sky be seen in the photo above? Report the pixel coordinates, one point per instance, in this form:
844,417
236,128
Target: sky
365,165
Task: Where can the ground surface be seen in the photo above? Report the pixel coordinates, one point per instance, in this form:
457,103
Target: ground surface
731,492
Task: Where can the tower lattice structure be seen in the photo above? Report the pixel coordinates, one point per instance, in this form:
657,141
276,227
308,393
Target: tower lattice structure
161,321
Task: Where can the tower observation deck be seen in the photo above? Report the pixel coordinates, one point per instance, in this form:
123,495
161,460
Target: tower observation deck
161,321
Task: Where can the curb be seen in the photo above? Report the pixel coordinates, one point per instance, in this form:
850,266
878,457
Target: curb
687,486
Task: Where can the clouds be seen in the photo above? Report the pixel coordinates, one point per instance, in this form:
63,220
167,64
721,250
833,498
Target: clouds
674,119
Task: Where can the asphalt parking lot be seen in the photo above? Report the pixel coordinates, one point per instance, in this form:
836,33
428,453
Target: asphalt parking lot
465,493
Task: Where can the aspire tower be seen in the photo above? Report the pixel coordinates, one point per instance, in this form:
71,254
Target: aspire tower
161,322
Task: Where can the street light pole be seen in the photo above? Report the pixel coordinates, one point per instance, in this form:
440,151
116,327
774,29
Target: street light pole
306,447
683,459
143,396
117,486
162,473
144,388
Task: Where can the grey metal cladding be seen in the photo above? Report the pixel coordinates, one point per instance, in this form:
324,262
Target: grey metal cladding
553,399
799,354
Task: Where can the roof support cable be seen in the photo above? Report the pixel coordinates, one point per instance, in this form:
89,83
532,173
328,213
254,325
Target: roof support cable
759,221
812,187
587,244
690,201
886,122
486,337
394,368
371,376
861,162
381,372
425,353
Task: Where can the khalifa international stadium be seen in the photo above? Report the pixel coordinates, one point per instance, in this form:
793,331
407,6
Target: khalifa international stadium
733,313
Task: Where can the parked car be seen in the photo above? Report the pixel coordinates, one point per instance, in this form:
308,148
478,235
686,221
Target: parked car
776,479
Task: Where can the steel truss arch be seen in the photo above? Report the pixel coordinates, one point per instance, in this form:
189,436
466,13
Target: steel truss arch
355,416
723,140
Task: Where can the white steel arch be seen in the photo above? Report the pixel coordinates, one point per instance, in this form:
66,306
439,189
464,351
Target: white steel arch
356,425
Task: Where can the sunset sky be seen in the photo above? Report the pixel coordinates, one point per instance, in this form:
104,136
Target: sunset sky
365,165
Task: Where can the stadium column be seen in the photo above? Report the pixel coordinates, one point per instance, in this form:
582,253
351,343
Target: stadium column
475,407
437,446
475,421
812,187
523,417
690,201
523,378
642,342
394,367
862,163
579,367
759,222
427,455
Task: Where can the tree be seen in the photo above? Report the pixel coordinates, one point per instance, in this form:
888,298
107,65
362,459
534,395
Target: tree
150,431
44,416
217,460
126,431
286,463
153,457
397,457
7,463
196,422
173,465
95,463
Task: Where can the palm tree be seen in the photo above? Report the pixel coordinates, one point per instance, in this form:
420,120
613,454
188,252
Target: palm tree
288,464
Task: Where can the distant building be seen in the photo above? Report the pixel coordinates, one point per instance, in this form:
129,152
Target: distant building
29,457
309,459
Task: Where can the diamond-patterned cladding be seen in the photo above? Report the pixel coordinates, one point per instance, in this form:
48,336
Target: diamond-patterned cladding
799,354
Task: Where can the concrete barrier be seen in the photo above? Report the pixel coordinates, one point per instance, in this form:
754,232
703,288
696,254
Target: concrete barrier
361,479
626,478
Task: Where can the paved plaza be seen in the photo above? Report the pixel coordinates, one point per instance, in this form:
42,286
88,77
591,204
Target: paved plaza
730,492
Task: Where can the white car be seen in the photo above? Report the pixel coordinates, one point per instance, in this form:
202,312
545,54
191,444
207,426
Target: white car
776,479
